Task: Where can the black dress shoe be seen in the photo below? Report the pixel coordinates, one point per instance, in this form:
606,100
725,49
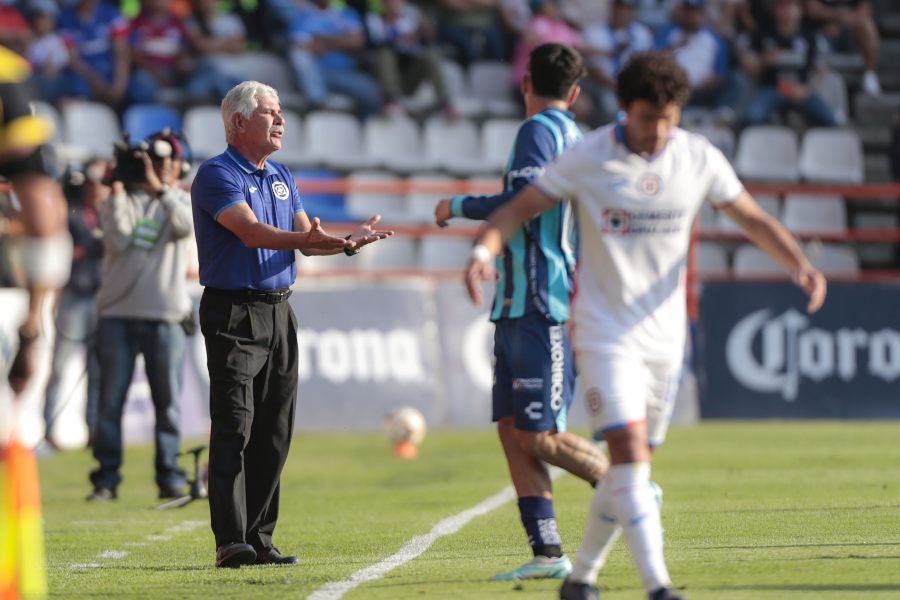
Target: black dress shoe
271,556
102,495
235,554
171,491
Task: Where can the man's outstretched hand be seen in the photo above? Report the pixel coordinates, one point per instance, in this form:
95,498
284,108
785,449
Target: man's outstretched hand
366,233
318,239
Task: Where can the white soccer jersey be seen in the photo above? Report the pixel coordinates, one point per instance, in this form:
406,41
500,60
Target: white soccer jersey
634,222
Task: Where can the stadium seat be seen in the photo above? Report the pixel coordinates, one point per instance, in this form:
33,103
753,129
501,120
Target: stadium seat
831,155
395,144
810,214
90,129
719,136
712,259
425,96
265,67
441,252
750,260
141,121
770,204
335,140
362,205
453,145
48,111
205,131
767,153
420,204
497,139
833,89
833,259
492,83
293,150
399,252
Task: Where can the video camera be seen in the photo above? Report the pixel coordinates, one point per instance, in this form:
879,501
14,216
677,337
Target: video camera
129,164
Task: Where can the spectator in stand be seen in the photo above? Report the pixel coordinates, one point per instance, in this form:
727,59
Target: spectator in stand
15,33
607,47
471,29
76,308
97,36
783,59
581,14
47,51
704,56
325,42
656,14
214,32
546,26
514,16
404,54
844,22
164,56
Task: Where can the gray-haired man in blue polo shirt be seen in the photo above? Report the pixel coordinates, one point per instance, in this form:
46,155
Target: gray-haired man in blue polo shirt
249,220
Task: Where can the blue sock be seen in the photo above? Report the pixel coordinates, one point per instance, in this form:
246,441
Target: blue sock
539,521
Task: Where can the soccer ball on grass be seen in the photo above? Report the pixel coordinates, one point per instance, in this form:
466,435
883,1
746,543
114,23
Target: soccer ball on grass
405,428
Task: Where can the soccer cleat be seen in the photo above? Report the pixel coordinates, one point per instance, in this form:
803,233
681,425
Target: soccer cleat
574,590
664,594
540,567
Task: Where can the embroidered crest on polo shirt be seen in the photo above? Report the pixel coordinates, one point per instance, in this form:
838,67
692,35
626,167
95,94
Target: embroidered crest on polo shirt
281,190
649,184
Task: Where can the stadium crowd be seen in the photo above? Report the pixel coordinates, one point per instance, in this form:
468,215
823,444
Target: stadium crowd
747,59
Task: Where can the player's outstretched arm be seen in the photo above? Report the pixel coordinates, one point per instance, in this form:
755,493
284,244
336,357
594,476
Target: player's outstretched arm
498,230
776,241
308,237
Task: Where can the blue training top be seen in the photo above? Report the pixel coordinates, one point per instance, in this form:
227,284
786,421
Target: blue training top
535,270
225,262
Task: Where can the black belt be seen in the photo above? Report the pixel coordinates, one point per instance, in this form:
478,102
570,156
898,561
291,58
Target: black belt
267,296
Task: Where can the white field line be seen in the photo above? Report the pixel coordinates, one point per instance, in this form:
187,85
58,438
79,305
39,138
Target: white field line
417,545
107,555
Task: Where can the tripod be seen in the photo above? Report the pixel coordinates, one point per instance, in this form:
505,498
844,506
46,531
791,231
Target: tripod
197,485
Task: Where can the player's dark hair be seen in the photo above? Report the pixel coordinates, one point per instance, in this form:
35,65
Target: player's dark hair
655,77
554,69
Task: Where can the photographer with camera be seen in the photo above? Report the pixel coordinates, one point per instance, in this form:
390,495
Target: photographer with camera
147,228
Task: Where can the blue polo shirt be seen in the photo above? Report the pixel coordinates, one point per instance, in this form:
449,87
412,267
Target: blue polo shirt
225,262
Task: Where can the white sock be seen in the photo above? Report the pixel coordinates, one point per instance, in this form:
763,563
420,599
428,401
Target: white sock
600,536
636,509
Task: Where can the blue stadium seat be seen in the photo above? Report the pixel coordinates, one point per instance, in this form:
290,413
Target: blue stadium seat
143,120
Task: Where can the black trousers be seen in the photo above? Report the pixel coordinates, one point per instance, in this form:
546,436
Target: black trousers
252,354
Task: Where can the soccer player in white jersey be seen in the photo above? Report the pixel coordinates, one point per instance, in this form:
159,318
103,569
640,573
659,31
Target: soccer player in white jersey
637,186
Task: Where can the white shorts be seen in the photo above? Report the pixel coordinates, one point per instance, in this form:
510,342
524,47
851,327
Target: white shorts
620,389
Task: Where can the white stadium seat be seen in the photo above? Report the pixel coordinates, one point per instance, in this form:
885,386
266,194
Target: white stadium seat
712,259
497,139
769,204
805,213
399,252
833,259
491,82
90,129
453,145
204,129
335,140
362,204
830,155
420,204
767,153
394,143
750,260
440,252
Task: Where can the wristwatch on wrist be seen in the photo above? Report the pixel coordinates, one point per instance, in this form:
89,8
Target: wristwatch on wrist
350,251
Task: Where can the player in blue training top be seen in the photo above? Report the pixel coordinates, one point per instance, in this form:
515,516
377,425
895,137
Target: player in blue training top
534,372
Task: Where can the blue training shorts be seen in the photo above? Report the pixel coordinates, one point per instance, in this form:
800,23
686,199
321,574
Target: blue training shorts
534,372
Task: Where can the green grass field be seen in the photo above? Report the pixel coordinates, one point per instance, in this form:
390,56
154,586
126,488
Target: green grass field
752,511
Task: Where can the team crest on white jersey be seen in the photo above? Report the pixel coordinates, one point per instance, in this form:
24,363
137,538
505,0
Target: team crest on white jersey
281,190
649,184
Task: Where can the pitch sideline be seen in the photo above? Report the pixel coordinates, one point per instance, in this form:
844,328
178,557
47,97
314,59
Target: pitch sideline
417,545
